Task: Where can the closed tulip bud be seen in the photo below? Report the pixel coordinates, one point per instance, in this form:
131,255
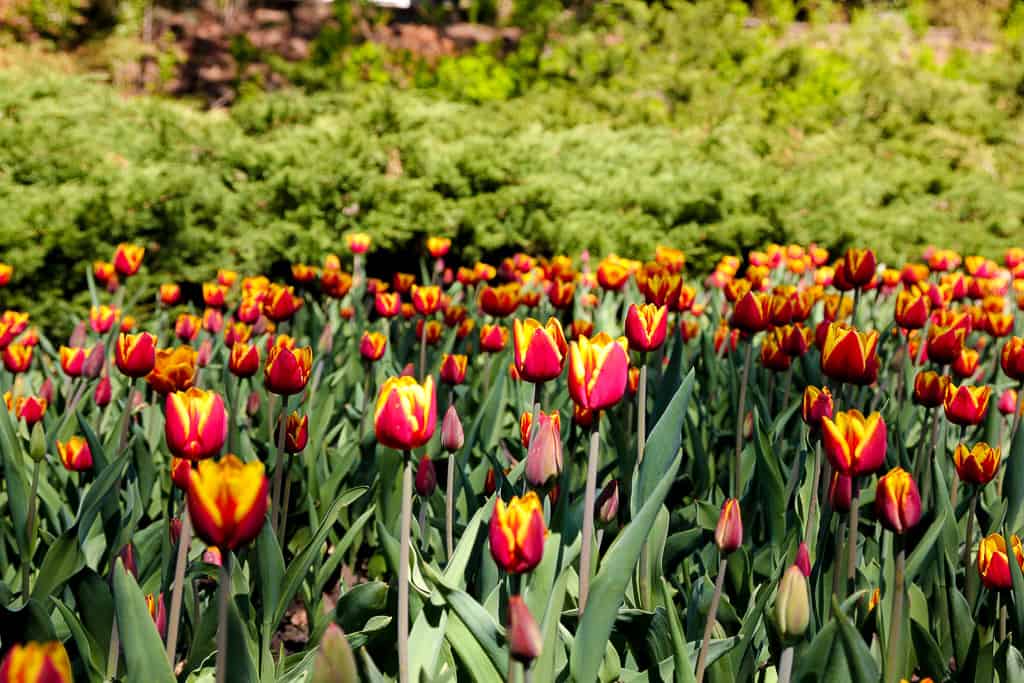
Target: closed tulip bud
850,356
325,344
287,370
173,370
128,258
17,358
213,320
729,531
854,444
646,326
426,477
966,405
46,390
204,353
1008,402
493,338
212,555
751,313
406,413
539,350
544,454
792,604
453,368
994,561
196,423
227,501
95,358
817,404
28,408
451,430
607,503
135,354
75,454
37,442
244,360
597,371
155,605
517,533
803,559
930,388
333,662
174,530
181,472
101,397
966,364
977,465
296,432
372,346
187,327
897,501
524,638
36,663
1012,358
252,404
840,492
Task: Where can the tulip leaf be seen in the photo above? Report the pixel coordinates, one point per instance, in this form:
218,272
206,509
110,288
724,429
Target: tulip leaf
929,657
338,554
300,566
87,647
487,633
680,648
921,553
609,586
98,495
862,664
426,636
662,446
269,566
463,640
14,465
1014,482
62,561
144,655
1018,596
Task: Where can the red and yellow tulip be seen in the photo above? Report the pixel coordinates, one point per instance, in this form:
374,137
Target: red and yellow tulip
196,424
646,326
227,500
849,355
406,413
597,371
966,405
897,501
517,533
854,444
287,370
36,663
539,350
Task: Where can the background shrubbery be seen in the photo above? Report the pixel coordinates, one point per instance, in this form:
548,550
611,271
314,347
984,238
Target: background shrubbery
682,125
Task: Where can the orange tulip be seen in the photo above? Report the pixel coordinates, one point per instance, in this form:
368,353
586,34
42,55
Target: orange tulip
128,258
36,663
850,356
227,500
597,371
517,533
72,360
434,328
173,370
994,562
303,273
406,413
500,301
966,405
613,273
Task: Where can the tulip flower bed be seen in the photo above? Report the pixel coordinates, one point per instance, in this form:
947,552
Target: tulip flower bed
802,467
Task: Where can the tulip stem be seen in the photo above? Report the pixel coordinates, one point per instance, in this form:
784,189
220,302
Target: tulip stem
224,594
641,445
895,624
279,464
709,625
1016,414
971,513
423,350
589,496
741,414
851,559
114,651
449,506
812,509
184,541
233,415
30,533
286,495
403,569
786,665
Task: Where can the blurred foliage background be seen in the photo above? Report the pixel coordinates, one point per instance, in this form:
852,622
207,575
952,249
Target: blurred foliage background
714,126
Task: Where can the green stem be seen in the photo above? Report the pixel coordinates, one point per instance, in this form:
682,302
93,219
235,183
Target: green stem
892,673
709,625
275,498
403,569
741,414
968,540
851,559
178,585
449,507
813,507
30,532
589,496
224,595
423,350
641,445
786,665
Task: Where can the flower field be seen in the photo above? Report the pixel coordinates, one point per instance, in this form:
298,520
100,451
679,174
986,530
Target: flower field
801,466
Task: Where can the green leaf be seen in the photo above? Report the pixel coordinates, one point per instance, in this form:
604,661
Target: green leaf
269,566
1014,482
662,446
916,560
862,665
680,649
63,560
144,656
609,586
1018,597
471,653
98,495
299,566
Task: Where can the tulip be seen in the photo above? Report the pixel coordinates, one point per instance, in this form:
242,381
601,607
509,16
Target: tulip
912,309
281,303
36,663
525,641
155,606
239,332
187,327
493,338
966,364
249,310
372,345
196,423
977,465
335,283
930,388
607,505
803,559
1012,358
581,328
427,300
406,413
128,258
659,288
840,492
966,405
856,269
72,360
796,339
646,326
296,432
945,342
561,294
597,371
773,357
101,397
792,604
451,431
334,661
170,293
729,530
135,354
850,356
46,390
1008,402
854,444
438,246
897,501
544,452
817,404
303,273
403,282
613,273
500,301
28,408
358,242
214,294
287,370
244,360
227,500
994,562
453,368
75,454
173,370
539,350
517,533
213,320
426,477
17,358
751,313
181,472
6,271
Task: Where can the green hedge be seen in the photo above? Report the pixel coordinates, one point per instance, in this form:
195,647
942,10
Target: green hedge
687,129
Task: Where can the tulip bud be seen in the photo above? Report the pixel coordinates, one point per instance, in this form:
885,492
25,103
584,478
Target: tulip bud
426,477
1008,402
93,364
334,662
544,456
155,605
326,342
451,430
205,352
46,391
174,530
127,555
897,501
729,532
840,492
817,404
37,443
524,639
103,392
792,604
607,504
213,556
252,404
803,559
